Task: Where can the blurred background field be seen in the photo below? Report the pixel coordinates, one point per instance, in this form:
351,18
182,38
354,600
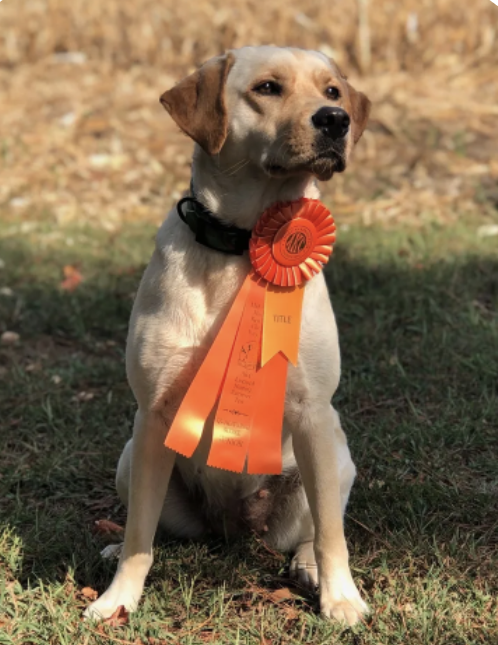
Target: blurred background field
89,165
83,137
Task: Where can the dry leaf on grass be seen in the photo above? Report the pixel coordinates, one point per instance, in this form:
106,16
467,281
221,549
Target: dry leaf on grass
407,608
83,396
291,613
106,527
119,618
89,593
281,594
9,338
72,278
33,367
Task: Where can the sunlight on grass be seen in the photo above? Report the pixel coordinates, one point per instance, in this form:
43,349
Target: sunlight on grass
417,313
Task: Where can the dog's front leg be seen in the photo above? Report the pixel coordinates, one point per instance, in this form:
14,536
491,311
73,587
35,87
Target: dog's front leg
151,467
316,449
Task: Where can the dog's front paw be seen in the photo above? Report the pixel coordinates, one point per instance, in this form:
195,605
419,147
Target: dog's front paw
120,594
340,599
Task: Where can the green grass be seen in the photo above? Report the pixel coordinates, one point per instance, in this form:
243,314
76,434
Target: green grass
418,317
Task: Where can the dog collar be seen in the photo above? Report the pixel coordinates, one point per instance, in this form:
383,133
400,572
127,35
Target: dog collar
209,231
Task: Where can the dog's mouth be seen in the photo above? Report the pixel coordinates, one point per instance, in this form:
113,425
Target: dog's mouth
323,165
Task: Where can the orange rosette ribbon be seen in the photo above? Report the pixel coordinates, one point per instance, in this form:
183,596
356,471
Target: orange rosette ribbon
243,377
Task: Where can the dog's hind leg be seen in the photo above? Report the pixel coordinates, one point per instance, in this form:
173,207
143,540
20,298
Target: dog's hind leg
179,516
290,528
151,465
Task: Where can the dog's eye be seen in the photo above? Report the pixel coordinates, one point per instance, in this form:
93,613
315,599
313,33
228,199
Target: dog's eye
332,93
268,88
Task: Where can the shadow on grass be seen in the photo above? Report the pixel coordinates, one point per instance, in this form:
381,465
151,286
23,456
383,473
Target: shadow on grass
418,401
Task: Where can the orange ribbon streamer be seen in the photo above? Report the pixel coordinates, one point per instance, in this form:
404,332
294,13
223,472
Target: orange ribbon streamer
243,377
282,322
236,407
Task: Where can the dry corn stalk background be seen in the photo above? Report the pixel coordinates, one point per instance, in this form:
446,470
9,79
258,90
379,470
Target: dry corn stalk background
83,137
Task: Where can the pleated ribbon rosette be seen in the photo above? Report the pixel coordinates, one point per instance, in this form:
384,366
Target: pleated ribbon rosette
244,373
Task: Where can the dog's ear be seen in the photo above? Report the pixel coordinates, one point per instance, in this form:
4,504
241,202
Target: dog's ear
197,104
360,107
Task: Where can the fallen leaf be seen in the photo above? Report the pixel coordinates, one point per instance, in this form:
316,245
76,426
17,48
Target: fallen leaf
105,527
281,594
488,230
119,617
9,337
93,125
72,278
290,612
89,593
84,396
19,202
33,367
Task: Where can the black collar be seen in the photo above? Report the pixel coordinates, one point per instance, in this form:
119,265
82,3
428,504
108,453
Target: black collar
211,232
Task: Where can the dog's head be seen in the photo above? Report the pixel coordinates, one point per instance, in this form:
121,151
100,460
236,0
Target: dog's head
286,111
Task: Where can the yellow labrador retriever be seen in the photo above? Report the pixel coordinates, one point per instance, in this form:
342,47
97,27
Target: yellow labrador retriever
266,122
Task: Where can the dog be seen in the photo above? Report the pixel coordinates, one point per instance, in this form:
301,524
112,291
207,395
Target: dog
266,122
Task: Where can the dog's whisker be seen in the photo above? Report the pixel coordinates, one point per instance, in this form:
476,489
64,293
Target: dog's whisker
236,167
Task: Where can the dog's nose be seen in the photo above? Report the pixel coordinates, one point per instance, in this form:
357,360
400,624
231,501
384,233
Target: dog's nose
333,122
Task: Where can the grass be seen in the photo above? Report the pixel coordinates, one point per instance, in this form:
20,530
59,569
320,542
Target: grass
417,312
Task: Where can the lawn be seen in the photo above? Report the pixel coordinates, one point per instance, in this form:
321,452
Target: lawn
417,313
